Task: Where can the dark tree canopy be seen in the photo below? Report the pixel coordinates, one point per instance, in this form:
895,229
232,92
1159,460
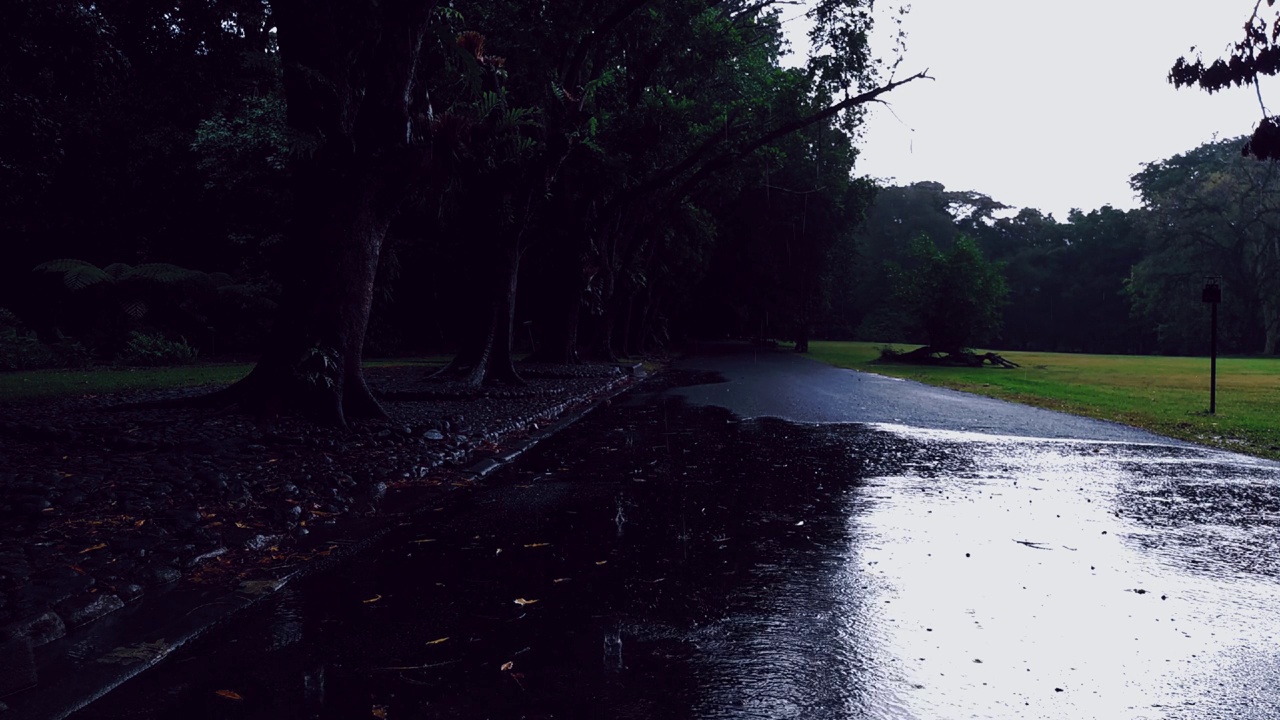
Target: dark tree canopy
408,176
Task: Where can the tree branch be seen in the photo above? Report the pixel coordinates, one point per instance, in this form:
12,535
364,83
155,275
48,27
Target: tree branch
728,157
569,77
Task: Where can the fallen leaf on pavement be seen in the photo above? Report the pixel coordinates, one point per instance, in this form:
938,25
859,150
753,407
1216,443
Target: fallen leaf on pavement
373,599
437,641
522,601
507,666
99,546
229,694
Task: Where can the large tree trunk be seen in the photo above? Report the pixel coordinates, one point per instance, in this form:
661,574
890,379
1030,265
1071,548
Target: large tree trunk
1270,310
350,74
609,245
601,346
485,356
1271,318
557,328
802,338
559,314
313,360
647,309
627,317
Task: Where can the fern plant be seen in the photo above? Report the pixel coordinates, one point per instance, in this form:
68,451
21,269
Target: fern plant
113,300
149,350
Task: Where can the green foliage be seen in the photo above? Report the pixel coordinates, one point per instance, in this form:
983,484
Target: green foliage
1212,212
319,367
953,297
20,349
1066,280
240,147
101,306
150,350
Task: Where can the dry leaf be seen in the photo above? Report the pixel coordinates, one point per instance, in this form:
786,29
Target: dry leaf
242,526
380,712
437,641
537,545
373,599
142,652
140,523
601,562
99,546
229,694
507,666
423,540
522,601
560,580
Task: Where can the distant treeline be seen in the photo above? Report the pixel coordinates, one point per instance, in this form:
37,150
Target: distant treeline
1106,281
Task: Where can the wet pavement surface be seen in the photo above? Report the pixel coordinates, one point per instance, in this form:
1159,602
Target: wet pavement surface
666,557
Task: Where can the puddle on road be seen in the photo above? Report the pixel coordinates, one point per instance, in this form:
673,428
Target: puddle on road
1068,580
665,561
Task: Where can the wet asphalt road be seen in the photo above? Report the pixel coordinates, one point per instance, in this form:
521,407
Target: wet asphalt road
946,557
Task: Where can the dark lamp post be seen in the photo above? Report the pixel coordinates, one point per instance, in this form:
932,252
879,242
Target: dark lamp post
1212,295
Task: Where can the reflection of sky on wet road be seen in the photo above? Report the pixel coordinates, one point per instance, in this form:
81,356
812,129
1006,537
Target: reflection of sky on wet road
1020,578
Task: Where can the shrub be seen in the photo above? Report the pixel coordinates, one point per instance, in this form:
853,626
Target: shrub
148,350
71,354
20,349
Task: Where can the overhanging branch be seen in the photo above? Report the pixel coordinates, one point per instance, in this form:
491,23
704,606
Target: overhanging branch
728,157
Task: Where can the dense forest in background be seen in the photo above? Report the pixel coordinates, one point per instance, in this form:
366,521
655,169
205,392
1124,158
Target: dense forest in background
1105,281
320,181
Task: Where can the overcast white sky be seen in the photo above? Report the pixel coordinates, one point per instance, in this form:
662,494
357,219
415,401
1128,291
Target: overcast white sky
1052,105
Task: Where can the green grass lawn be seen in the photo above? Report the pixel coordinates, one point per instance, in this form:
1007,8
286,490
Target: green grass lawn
34,385
1167,395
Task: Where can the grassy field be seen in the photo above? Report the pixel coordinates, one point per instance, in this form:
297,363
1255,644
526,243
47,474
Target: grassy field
1167,395
49,384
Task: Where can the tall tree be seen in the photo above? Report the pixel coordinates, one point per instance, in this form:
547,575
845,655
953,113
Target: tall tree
841,78
1213,212
953,298
884,241
355,84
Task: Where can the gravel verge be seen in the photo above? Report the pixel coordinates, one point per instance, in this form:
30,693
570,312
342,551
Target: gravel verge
114,519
